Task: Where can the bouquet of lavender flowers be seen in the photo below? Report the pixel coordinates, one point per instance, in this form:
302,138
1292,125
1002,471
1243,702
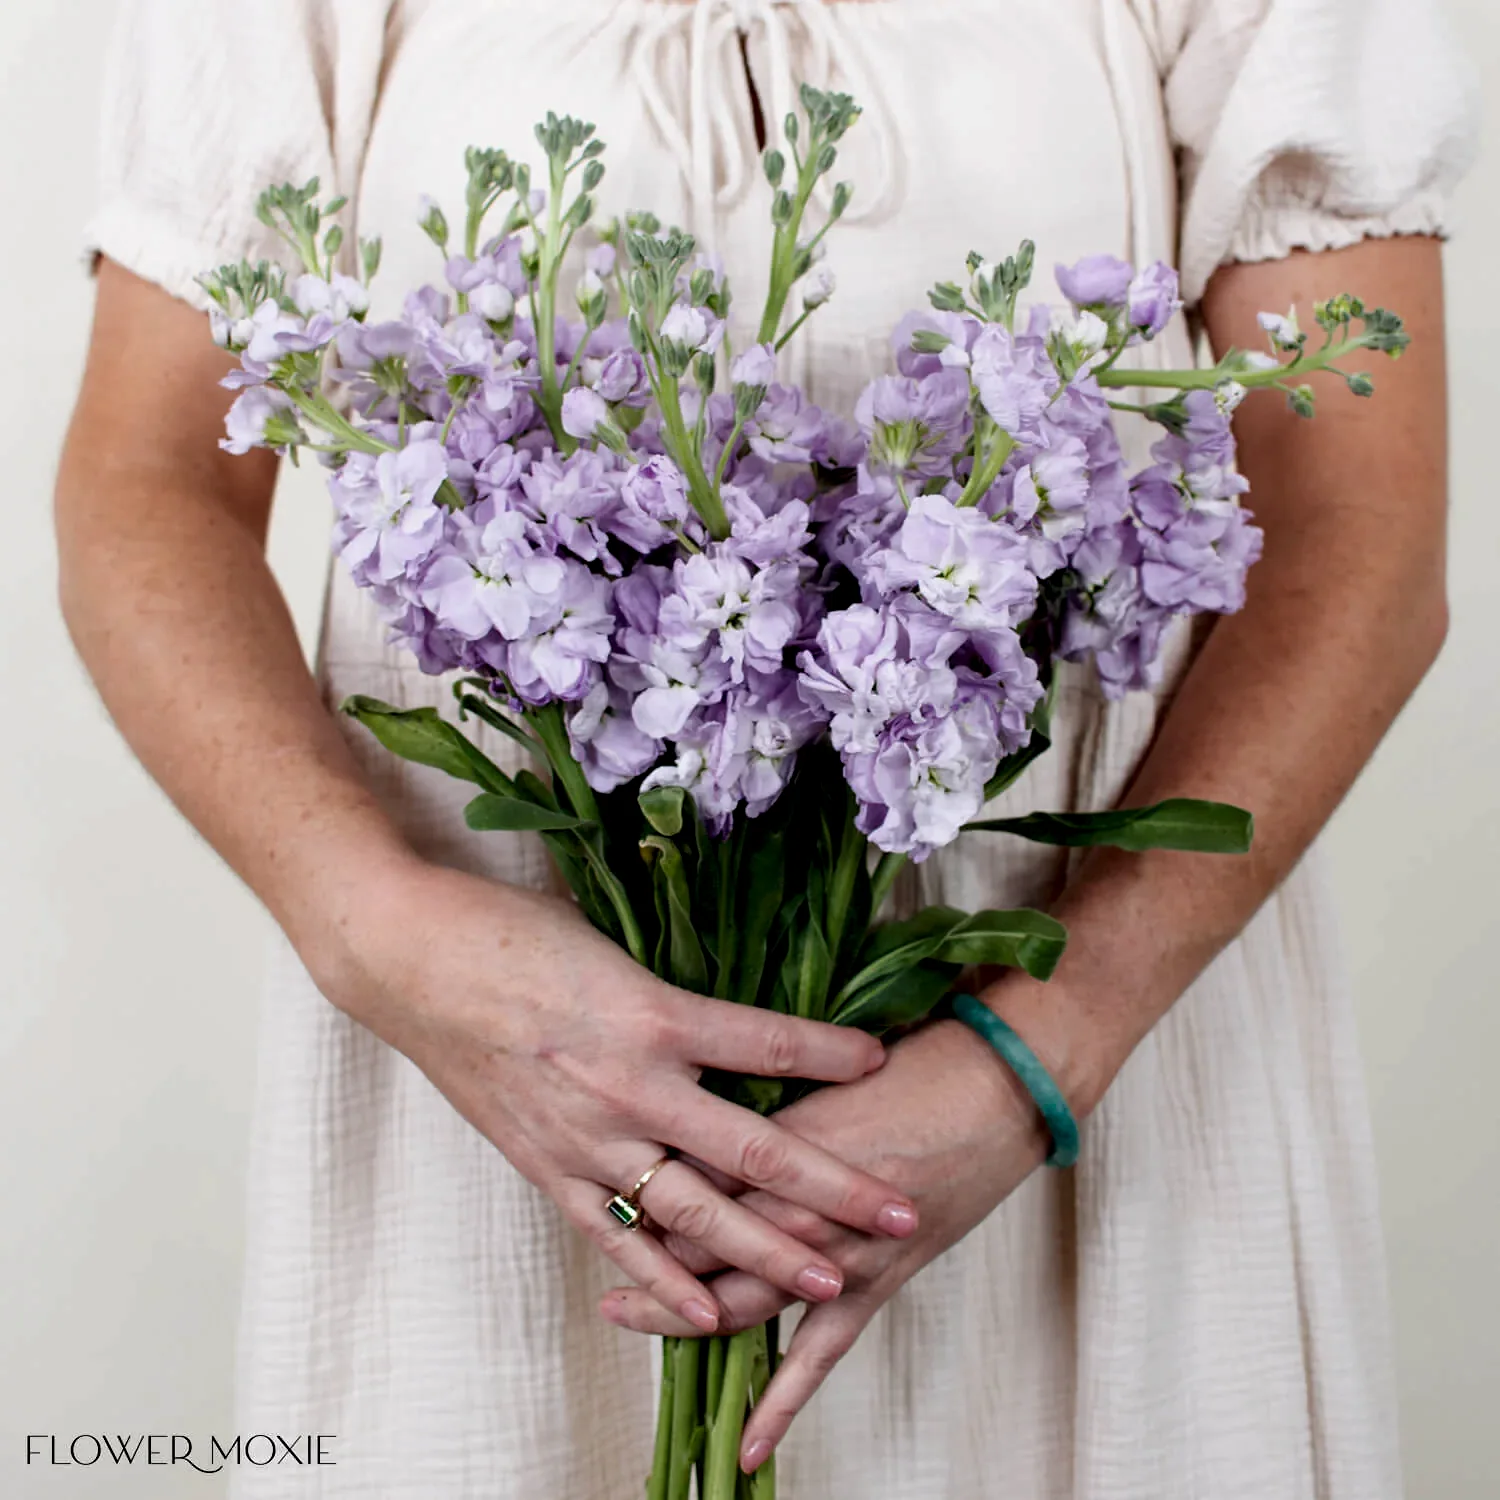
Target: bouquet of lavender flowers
762,654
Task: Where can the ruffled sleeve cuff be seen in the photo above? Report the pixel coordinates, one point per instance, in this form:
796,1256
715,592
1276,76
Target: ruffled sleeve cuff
1276,223
152,247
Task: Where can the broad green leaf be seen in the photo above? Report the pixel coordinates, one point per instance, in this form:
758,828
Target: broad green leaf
1026,940
689,967
662,808
1023,939
489,813
534,789
895,947
423,736
931,921
1181,823
899,999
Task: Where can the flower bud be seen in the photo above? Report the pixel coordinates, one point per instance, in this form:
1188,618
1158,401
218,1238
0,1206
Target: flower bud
819,287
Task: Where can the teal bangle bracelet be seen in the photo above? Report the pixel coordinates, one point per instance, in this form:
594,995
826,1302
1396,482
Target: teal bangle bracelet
1036,1080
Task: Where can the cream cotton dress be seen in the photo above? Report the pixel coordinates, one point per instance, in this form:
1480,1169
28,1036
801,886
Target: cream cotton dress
1197,1311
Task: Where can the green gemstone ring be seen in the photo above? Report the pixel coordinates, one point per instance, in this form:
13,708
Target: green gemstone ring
626,1207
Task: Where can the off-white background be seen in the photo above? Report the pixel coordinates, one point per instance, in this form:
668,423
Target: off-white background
130,960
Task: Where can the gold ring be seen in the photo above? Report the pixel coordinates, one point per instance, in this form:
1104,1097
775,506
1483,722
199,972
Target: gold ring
626,1207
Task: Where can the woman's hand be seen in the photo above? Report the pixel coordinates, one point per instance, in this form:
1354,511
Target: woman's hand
582,1069
946,1121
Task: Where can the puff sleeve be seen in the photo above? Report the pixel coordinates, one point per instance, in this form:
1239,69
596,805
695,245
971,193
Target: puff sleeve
207,103
1308,124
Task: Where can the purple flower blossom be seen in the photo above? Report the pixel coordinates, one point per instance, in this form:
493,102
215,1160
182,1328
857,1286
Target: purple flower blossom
652,502
1096,281
959,331
787,428
1154,299
340,299
621,377
564,663
1015,379
916,425
568,498
961,562
582,412
755,367
245,421
494,581
694,328
925,779
606,742
389,519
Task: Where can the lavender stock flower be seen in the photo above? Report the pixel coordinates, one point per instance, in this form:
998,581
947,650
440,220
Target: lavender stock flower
1096,281
1015,378
1153,299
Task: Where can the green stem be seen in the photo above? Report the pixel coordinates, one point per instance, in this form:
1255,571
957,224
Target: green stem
787,337
727,1420
318,409
685,1356
1215,376
544,299
987,470
762,1483
705,496
551,729
784,249
661,1461
729,447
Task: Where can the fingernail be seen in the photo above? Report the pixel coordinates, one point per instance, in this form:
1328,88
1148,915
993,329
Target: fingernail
897,1219
819,1283
701,1315
610,1309
755,1455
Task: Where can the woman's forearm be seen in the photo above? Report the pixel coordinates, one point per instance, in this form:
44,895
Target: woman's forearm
1288,699
169,598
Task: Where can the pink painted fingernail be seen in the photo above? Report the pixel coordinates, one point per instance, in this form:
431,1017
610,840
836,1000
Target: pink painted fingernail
755,1455
823,1285
701,1315
897,1219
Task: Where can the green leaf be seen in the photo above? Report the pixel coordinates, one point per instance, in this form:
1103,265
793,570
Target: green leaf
423,736
662,808
534,789
1181,823
764,884
689,966
1028,940
482,708
1022,939
898,1000
814,972
489,813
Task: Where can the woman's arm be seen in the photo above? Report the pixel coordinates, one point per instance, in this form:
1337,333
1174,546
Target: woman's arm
574,1061
1278,714
1347,610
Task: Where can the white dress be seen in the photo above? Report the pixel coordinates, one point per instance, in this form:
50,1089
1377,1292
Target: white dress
1197,1312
